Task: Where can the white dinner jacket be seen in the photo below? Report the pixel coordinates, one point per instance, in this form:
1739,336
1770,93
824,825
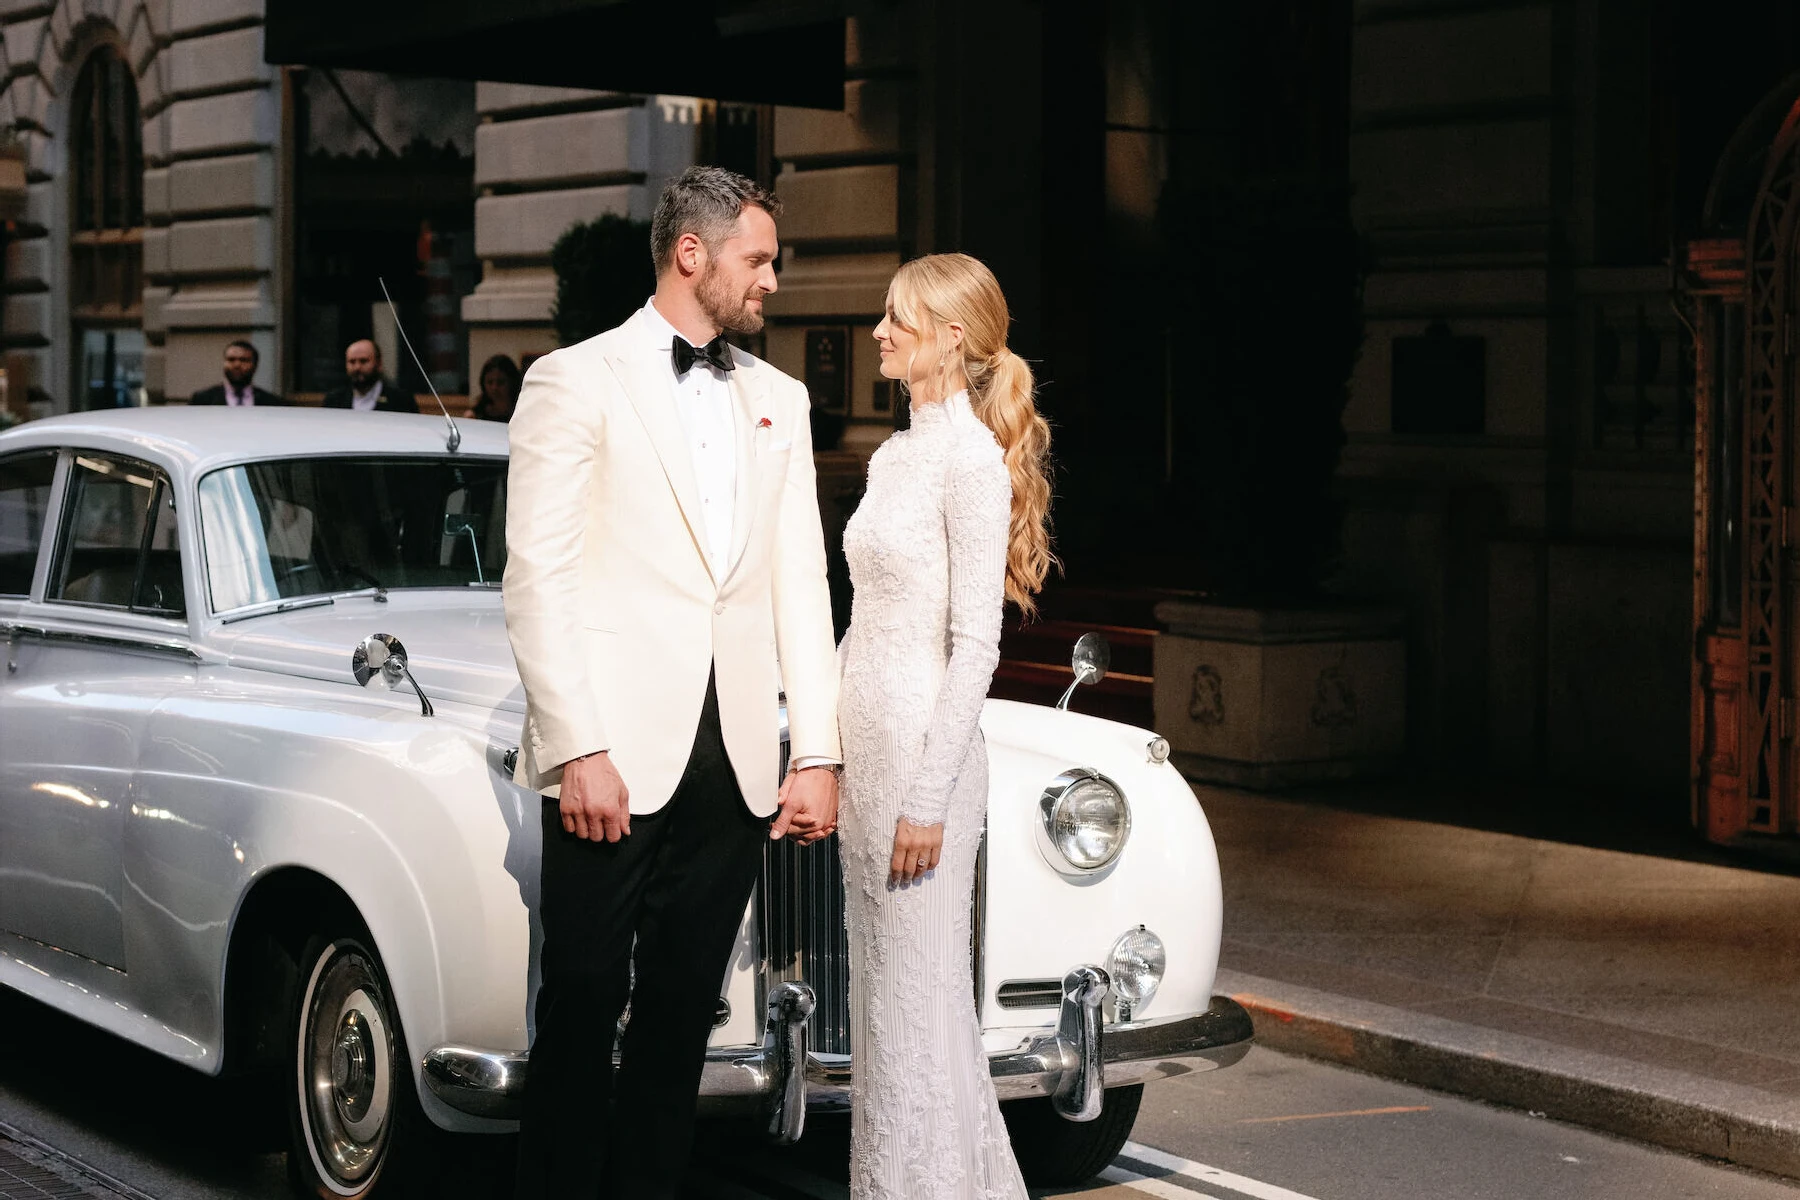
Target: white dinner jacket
612,607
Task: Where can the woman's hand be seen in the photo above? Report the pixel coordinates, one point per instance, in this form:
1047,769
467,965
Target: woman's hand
917,849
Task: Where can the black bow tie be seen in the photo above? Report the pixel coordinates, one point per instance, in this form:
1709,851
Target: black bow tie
715,353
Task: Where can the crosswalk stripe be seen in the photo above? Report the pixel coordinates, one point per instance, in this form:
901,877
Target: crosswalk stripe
1150,1156
1152,1186
1139,1168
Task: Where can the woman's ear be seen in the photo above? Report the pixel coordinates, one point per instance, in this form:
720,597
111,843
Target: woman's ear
955,334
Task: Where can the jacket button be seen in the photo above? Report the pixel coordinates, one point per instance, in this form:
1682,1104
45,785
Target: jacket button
719,610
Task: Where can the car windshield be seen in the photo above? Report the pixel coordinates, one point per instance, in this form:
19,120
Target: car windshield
313,526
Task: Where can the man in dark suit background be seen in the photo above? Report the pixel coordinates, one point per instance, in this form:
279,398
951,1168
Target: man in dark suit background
368,390
241,360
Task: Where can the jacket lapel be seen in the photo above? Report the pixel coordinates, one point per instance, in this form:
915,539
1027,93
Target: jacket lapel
645,376
749,400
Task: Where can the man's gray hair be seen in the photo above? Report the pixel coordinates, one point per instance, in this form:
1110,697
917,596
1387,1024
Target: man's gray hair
706,202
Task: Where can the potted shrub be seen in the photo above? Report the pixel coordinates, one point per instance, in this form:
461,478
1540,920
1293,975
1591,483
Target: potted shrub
603,272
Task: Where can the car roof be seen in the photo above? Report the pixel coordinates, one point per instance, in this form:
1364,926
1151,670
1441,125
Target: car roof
204,437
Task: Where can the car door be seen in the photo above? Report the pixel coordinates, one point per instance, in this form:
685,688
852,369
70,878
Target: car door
27,482
106,641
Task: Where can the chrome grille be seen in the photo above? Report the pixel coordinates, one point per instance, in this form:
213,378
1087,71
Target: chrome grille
1030,993
801,935
800,932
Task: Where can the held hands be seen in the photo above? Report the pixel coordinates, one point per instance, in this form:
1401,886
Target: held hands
595,805
917,849
809,801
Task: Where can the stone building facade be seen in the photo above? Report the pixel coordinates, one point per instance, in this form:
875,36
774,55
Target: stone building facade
1518,473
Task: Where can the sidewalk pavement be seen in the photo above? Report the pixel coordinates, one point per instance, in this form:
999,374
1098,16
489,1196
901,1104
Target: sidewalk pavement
1649,997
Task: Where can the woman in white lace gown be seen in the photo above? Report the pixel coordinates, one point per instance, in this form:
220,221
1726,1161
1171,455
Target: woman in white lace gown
951,526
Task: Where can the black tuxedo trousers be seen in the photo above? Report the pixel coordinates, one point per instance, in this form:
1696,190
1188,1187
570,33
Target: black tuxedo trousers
676,888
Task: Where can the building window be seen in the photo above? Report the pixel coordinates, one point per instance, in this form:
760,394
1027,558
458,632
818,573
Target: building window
106,232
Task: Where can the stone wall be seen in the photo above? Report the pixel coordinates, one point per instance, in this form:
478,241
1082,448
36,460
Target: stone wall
849,183
546,158
210,108
1517,545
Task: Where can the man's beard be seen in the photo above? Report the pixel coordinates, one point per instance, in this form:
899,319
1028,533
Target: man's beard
239,381
724,307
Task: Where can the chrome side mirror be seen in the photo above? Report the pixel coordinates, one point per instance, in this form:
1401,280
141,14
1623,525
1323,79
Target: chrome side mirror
383,654
1092,656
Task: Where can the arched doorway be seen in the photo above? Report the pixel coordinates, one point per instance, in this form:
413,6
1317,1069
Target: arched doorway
106,233
1745,293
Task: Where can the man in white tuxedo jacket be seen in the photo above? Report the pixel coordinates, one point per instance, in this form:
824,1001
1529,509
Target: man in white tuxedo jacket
665,581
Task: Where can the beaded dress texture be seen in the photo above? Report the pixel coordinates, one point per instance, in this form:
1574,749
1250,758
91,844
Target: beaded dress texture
927,553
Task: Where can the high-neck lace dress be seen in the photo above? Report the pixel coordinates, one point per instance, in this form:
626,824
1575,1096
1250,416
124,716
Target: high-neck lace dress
927,552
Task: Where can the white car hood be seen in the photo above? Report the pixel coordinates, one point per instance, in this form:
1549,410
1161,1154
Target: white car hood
455,644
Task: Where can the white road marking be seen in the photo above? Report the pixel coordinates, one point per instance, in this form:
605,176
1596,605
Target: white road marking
1153,1187
1151,1156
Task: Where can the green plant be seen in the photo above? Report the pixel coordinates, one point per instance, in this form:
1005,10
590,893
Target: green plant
1266,291
603,274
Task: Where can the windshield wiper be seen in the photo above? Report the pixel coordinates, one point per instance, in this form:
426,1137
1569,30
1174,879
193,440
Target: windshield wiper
378,594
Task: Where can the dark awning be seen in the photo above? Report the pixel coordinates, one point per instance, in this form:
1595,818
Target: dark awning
750,51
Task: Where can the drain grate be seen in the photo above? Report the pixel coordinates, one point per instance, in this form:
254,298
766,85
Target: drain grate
28,1173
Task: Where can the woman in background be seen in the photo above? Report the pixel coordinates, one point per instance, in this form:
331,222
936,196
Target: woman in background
500,381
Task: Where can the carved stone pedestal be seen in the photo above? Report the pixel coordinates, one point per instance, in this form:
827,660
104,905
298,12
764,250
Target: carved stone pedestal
1271,698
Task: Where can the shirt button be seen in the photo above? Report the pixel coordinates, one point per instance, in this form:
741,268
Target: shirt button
718,610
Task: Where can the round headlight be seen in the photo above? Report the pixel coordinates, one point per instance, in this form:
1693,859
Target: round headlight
1136,964
1084,820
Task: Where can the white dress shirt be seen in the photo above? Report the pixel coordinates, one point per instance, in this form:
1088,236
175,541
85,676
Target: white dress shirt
366,401
235,398
703,402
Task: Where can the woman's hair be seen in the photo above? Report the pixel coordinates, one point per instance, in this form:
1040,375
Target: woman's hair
504,364
933,292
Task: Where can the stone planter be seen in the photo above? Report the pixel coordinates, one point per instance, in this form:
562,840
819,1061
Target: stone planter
1270,698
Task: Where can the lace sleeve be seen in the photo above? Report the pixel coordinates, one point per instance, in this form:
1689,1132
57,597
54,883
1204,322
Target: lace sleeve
977,515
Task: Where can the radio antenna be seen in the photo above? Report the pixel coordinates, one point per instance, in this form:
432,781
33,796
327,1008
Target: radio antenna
454,439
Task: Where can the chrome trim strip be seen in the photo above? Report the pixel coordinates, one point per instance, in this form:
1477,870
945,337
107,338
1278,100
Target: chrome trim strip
123,640
736,1079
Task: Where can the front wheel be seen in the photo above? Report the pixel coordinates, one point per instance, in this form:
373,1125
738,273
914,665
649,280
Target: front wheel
1054,1151
351,1104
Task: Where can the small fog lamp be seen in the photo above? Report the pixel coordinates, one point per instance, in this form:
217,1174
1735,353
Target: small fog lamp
1136,964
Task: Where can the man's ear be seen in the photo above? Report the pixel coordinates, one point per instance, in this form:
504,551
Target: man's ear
690,254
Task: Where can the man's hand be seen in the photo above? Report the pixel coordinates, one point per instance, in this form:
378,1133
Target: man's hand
809,800
595,805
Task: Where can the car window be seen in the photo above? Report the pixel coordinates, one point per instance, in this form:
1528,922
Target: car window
288,528
120,545
24,500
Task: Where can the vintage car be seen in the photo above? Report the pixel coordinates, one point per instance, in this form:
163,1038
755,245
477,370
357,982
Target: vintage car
257,812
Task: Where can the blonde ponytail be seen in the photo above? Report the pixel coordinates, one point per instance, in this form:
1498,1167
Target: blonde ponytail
932,292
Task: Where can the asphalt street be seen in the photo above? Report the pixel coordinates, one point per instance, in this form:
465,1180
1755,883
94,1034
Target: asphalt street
1273,1128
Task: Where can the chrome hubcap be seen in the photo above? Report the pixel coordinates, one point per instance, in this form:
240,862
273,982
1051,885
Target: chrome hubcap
347,1065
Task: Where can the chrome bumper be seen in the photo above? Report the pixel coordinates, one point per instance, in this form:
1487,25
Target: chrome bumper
779,1080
